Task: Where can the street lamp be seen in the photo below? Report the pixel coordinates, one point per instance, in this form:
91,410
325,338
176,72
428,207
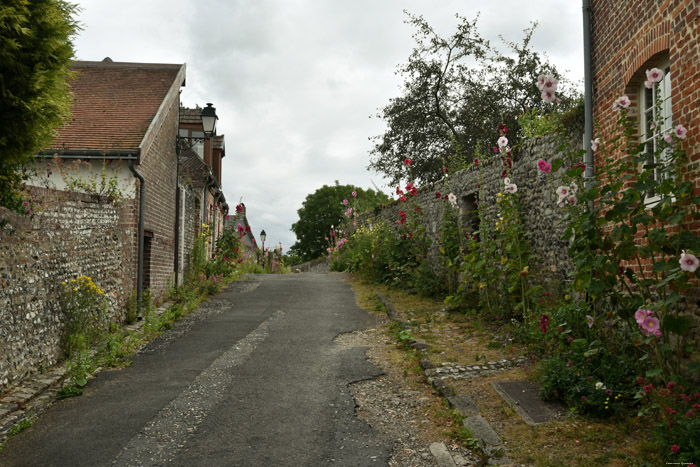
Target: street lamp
209,119
263,236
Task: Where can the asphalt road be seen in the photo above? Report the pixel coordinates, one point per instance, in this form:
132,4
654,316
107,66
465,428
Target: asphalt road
252,378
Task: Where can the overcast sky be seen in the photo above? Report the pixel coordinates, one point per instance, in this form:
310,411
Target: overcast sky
295,82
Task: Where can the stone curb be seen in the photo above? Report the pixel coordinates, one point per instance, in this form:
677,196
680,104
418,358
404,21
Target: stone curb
29,397
489,441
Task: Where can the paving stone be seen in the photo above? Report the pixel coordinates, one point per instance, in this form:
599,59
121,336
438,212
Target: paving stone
481,429
463,404
524,398
442,455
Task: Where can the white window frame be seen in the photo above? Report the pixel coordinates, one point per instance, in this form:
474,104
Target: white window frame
649,114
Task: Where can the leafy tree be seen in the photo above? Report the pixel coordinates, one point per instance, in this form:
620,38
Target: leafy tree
35,57
456,92
323,209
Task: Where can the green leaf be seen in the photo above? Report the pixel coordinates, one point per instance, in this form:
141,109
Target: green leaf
653,372
676,324
591,352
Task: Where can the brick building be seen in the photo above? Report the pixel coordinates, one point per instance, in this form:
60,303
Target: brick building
629,37
200,181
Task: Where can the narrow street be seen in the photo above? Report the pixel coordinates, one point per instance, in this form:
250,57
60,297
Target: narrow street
251,378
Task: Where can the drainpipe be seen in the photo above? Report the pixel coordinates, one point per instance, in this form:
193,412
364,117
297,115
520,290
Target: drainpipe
588,88
142,207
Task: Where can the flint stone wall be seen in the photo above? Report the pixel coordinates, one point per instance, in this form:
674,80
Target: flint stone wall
70,235
540,215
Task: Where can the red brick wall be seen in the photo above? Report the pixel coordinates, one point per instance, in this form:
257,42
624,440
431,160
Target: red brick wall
159,169
629,36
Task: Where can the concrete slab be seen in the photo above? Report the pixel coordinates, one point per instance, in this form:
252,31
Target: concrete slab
524,398
442,455
463,404
481,429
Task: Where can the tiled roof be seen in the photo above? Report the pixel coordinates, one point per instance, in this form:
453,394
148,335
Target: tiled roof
194,168
190,115
114,104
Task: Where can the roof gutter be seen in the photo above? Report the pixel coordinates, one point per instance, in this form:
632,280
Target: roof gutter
123,154
588,89
142,207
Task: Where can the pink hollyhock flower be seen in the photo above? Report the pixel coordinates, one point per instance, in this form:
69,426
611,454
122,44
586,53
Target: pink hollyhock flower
650,325
595,143
563,191
540,81
502,142
680,132
354,194
550,83
549,96
640,315
675,448
506,181
345,202
573,187
623,102
648,84
544,166
655,75
669,137
407,162
688,262
572,200
511,188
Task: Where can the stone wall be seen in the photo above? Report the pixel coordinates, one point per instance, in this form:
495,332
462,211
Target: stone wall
69,235
540,214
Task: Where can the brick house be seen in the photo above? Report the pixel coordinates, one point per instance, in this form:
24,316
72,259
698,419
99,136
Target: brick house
627,38
127,113
199,183
630,37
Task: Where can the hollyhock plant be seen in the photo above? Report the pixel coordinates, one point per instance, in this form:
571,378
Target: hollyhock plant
407,162
595,143
502,142
655,75
452,198
550,83
680,132
621,102
549,97
544,166
688,262
510,188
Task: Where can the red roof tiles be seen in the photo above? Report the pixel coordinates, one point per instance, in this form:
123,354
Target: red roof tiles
114,104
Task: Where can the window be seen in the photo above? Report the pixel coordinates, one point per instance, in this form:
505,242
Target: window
197,146
656,121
